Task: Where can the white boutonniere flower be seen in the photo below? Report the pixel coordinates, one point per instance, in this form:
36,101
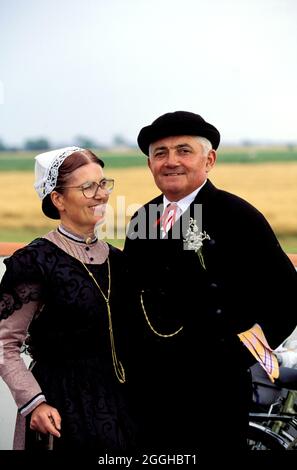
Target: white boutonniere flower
194,240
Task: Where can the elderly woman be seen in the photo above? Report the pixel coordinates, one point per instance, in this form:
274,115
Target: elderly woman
64,296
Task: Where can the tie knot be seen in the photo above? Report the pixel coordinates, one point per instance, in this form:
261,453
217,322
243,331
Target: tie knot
171,206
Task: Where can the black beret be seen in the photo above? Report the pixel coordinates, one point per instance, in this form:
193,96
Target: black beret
177,123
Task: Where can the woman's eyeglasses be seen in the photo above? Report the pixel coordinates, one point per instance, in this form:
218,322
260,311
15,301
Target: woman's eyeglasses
90,188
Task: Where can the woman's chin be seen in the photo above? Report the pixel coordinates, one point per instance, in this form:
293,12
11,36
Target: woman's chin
98,214
99,220
99,210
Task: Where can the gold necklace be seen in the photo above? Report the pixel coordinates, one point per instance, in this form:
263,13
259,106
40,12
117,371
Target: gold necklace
169,335
117,365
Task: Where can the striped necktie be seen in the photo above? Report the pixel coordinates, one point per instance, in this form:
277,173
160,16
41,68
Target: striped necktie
169,217
254,339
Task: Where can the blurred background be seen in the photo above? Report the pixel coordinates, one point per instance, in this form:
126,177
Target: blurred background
94,72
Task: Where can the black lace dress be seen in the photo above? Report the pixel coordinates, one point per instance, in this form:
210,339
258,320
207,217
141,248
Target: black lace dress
70,342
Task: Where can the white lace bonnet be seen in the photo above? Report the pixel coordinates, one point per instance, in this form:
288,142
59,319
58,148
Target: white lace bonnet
47,166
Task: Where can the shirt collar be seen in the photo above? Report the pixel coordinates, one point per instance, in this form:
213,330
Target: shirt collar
184,203
76,238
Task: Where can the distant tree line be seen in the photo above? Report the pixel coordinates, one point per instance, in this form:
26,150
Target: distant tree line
30,144
42,143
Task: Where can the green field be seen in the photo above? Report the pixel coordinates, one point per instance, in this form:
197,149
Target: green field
24,161
27,234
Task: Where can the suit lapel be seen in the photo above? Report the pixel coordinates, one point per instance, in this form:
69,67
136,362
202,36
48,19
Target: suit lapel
154,212
199,207
198,210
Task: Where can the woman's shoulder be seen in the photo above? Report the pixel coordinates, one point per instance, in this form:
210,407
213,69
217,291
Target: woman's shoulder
39,243
35,252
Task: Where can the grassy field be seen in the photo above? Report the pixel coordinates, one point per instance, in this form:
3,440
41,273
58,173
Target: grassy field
24,161
271,187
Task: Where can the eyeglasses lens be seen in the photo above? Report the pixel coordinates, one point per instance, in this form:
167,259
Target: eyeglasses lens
105,185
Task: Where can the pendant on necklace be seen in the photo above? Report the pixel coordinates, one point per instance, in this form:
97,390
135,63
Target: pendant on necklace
88,240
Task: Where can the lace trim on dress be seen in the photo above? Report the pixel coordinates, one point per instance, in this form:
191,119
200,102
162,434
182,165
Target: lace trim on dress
21,294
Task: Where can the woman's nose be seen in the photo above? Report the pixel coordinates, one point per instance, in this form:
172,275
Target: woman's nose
101,193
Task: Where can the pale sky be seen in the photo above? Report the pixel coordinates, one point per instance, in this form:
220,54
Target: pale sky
104,67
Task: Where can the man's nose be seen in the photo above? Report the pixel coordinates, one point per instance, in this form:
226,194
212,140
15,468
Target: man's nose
172,158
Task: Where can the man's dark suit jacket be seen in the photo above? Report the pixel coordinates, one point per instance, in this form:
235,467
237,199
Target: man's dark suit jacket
196,384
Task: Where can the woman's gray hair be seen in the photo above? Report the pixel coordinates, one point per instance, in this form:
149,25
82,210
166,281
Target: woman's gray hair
206,144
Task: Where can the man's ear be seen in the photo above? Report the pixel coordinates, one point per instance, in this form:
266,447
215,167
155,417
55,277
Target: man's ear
58,200
211,160
149,163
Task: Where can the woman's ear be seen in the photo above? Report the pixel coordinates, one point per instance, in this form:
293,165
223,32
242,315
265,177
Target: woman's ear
58,200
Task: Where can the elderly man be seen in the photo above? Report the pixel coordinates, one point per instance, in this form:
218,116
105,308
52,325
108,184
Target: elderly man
207,266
